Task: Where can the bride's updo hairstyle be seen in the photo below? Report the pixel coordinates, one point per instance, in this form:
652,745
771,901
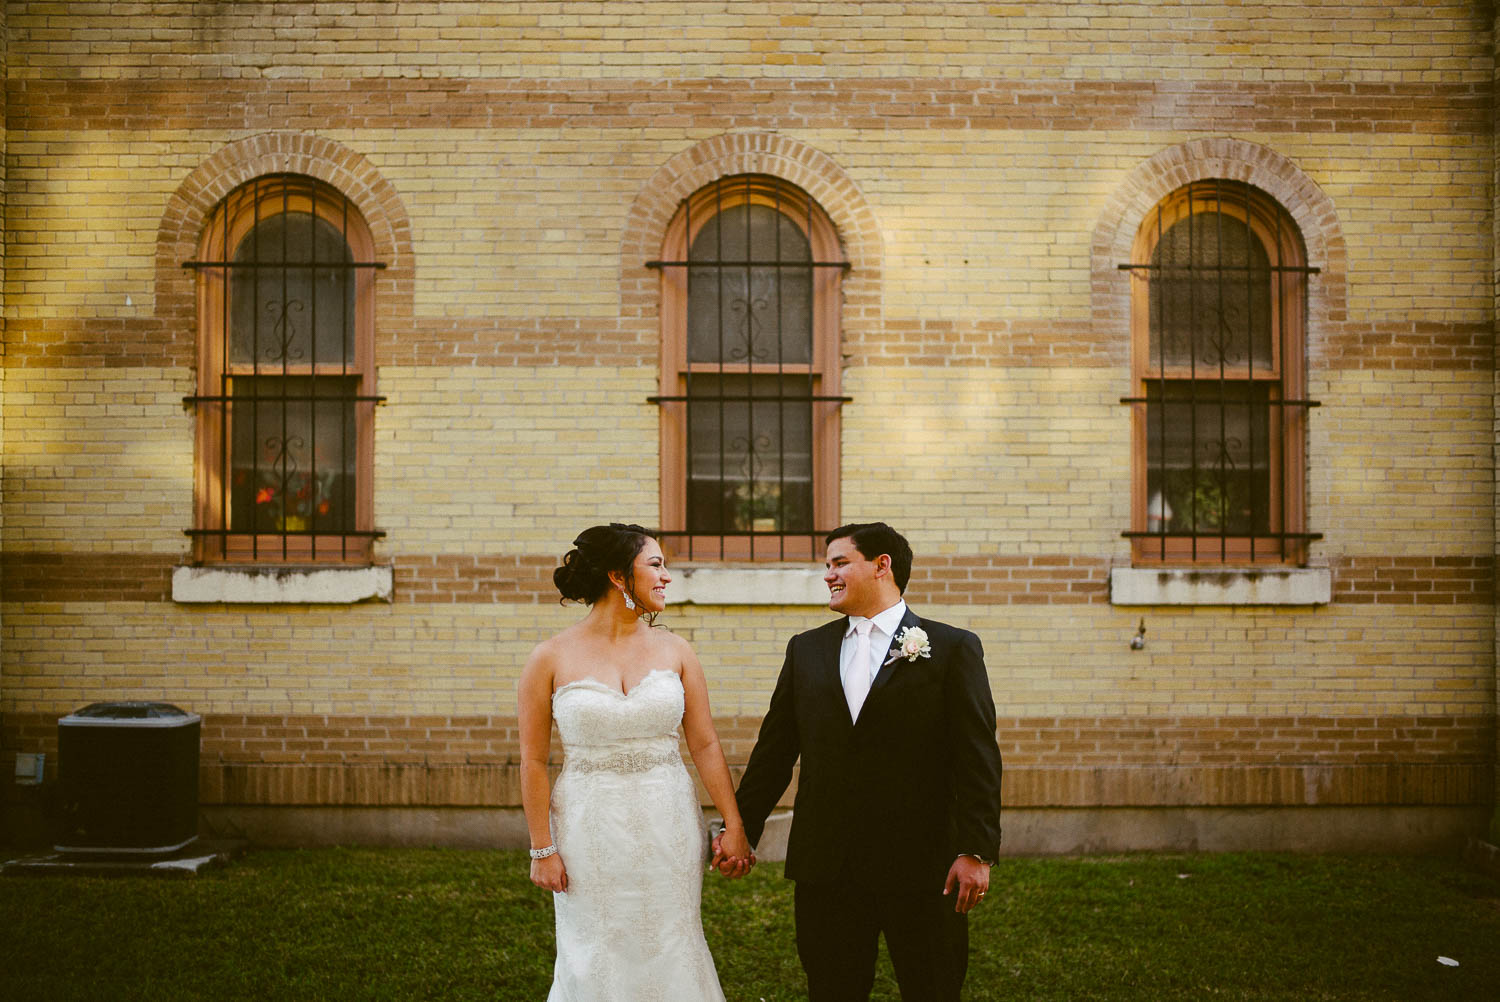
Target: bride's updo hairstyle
584,574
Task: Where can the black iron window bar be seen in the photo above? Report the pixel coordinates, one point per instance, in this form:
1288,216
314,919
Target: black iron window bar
1210,527
741,354
275,354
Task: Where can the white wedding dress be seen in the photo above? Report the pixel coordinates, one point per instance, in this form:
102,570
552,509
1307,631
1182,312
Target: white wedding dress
626,822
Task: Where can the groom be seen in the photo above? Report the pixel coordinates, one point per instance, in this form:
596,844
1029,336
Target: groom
897,814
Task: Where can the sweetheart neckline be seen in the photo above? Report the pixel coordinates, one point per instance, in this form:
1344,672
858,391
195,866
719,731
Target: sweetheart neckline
589,681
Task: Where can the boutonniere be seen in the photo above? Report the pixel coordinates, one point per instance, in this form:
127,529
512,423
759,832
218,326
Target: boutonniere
911,643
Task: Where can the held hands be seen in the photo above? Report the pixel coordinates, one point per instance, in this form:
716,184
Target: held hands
550,874
733,856
971,879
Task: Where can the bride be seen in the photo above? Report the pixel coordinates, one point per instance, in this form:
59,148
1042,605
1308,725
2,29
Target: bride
620,837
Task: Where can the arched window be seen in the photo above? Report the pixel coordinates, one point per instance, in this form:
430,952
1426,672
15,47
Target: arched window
751,270
1219,315
285,376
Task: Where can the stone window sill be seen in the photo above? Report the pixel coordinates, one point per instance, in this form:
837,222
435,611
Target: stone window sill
281,585
1220,586
783,584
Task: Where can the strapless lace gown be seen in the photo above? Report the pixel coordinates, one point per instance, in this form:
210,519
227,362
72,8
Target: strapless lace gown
626,821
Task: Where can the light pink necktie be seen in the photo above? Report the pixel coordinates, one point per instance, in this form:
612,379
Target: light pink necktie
857,682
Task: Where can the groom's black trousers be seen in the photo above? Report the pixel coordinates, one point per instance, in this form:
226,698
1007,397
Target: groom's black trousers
838,930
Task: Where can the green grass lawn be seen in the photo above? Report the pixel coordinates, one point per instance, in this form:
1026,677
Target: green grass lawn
449,924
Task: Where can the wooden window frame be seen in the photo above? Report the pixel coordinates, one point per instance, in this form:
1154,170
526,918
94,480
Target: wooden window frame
1278,235
253,203
824,369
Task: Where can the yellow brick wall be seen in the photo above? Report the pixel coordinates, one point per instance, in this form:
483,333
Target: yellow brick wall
1494,832
525,222
4,159
1401,462
98,459
464,659
989,143
509,459
1355,41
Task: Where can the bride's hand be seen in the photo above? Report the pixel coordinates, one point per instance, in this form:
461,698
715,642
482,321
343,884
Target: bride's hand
735,845
549,873
733,856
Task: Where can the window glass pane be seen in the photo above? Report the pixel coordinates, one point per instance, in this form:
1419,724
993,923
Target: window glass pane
749,459
284,309
1210,296
1208,458
294,458
755,313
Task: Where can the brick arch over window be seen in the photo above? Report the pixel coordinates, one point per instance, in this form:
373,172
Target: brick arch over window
758,176
1232,430
741,153
281,153
1231,159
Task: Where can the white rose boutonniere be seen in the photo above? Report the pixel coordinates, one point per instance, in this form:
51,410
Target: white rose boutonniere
911,643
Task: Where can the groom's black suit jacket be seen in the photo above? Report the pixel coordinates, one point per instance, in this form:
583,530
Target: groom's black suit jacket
898,796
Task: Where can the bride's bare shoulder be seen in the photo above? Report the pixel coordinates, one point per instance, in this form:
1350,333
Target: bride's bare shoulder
671,645
665,637
547,655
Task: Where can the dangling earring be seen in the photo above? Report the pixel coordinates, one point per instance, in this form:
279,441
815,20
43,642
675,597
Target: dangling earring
628,603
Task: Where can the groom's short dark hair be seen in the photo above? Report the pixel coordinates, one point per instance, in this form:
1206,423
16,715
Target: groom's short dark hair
872,539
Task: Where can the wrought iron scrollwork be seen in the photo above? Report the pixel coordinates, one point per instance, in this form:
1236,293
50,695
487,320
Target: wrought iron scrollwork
286,334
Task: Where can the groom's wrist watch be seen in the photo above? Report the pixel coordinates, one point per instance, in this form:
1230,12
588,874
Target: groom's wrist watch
975,855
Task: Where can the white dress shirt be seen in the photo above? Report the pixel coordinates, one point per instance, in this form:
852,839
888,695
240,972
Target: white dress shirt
882,632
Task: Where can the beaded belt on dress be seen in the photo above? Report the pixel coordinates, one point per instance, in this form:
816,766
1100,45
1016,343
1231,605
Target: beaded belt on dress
624,759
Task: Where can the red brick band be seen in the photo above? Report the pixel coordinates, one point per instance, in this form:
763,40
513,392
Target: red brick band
1312,107
1404,346
434,739
1046,579
28,578
543,342
483,578
1415,580
1050,762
